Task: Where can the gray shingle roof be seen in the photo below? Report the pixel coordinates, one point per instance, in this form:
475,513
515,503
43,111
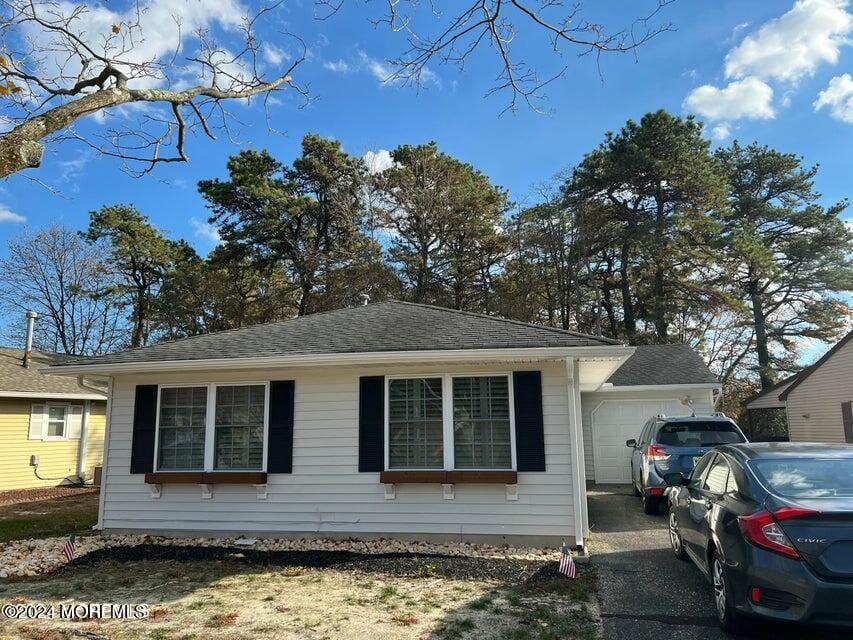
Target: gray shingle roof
662,364
14,378
380,327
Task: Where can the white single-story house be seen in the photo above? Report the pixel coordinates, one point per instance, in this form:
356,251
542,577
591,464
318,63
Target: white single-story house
384,420
668,379
818,401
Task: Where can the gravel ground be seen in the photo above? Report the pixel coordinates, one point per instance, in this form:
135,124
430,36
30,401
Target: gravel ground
18,496
27,558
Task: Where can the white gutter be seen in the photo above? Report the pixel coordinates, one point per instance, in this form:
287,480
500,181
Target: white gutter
609,388
382,357
52,396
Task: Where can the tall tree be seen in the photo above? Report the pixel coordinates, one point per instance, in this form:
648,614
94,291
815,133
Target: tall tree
657,179
789,257
445,220
140,254
306,219
69,284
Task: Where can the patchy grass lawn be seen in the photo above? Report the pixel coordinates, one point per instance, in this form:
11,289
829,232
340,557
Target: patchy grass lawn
51,517
228,597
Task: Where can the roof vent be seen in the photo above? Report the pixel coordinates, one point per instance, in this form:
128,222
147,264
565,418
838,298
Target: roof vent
28,348
363,299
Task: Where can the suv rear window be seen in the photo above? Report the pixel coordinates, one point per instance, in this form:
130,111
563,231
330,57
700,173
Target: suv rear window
697,433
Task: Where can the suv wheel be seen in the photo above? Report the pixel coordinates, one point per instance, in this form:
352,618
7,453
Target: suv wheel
675,538
730,620
651,504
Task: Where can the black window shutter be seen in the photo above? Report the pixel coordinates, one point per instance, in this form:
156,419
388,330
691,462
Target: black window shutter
144,426
529,427
847,420
280,437
371,423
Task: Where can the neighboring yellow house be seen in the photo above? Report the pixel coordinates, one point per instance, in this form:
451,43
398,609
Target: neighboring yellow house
51,426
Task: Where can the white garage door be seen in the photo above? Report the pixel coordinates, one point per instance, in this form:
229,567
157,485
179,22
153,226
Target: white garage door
616,421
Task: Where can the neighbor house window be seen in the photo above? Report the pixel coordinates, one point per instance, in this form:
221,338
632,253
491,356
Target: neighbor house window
182,424
57,421
481,428
239,425
211,427
415,428
450,422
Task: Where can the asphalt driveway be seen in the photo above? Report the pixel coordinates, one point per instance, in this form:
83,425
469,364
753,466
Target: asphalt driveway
646,592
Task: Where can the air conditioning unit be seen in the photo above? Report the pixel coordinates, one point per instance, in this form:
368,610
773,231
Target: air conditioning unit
99,471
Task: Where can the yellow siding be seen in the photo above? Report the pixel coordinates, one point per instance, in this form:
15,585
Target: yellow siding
58,458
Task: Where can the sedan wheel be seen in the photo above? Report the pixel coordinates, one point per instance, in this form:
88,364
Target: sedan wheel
675,538
730,620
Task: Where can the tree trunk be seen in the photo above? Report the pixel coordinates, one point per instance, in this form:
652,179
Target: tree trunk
661,324
629,320
765,371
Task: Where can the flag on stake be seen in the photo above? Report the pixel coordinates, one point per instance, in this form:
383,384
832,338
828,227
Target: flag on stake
567,565
70,550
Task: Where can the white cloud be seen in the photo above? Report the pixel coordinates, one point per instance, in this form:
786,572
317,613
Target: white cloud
721,131
377,161
747,98
205,231
386,74
7,215
838,96
275,55
793,45
337,66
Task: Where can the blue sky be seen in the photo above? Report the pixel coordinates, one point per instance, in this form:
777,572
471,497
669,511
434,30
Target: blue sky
756,68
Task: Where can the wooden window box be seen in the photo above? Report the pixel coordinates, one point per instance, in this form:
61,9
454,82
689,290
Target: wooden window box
448,477
206,477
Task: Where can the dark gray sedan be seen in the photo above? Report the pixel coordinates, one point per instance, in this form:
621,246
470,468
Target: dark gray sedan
771,526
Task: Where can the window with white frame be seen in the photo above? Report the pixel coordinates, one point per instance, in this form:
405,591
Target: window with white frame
211,427
57,421
450,422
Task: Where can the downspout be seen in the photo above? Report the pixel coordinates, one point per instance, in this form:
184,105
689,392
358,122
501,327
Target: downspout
84,441
103,489
576,452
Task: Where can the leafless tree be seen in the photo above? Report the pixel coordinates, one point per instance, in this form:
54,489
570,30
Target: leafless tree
459,30
61,61
66,281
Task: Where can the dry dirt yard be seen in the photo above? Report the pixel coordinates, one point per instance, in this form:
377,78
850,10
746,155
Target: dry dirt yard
230,594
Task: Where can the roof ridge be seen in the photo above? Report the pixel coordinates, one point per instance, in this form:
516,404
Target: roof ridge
507,320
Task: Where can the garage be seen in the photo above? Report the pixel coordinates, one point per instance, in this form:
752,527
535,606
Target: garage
614,422
655,379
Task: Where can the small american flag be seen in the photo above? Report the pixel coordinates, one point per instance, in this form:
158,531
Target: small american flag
70,549
567,565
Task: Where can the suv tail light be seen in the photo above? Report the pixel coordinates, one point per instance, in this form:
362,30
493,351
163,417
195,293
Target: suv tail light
656,452
762,529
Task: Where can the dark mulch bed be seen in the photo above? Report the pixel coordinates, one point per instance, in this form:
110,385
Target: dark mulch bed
397,564
17,496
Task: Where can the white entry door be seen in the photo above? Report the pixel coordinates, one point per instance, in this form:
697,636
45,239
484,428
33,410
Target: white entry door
614,422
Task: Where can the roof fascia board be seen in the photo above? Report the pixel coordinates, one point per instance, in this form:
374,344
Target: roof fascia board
52,396
381,357
660,387
811,369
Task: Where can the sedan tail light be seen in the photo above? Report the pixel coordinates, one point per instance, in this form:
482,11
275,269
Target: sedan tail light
656,452
762,529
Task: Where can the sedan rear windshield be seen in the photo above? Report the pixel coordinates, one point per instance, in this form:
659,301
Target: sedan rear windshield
807,478
698,434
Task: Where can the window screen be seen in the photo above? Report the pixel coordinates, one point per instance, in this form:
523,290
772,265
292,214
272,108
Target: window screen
239,426
183,412
415,429
481,430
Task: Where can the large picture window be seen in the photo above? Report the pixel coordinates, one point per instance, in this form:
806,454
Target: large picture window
211,427
450,422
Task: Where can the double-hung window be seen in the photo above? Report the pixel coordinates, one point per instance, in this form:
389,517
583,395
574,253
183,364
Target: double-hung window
212,427
445,422
57,421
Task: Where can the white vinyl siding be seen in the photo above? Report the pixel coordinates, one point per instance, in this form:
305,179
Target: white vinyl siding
814,406
642,400
326,494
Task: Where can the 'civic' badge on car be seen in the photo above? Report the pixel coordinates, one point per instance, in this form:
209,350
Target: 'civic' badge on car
812,540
